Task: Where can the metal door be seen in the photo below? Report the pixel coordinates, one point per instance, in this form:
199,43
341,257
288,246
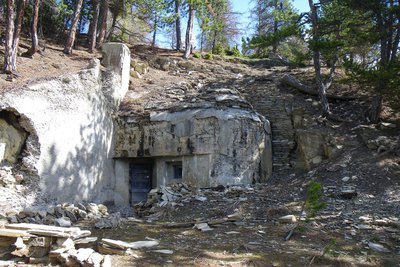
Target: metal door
140,181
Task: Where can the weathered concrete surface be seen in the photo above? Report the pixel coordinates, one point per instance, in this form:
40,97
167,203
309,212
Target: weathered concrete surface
215,146
117,59
72,117
13,140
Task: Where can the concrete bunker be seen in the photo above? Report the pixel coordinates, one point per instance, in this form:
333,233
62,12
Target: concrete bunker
202,147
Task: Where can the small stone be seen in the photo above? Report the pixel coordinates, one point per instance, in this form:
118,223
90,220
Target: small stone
107,261
71,216
348,192
63,222
81,206
65,243
288,219
82,214
19,178
346,179
365,218
200,198
204,227
378,247
316,160
136,74
102,209
387,125
232,233
83,254
92,208
164,251
95,259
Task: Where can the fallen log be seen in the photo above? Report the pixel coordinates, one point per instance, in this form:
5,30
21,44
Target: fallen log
295,83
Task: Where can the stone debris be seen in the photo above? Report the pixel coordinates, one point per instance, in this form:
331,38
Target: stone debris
181,194
378,247
66,246
348,192
66,215
118,247
204,227
346,179
34,243
164,251
288,219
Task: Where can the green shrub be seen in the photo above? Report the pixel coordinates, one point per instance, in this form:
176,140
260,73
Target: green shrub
219,49
314,199
209,56
197,55
234,51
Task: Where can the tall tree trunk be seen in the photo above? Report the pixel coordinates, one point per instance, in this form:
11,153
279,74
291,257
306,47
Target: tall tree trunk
35,41
317,61
78,32
178,25
374,112
103,23
72,32
214,41
17,32
201,41
155,26
275,42
8,51
113,25
189,33
93,26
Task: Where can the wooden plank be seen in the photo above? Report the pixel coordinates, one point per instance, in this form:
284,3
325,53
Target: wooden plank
106,250
41,227
49,233
133,245
15,233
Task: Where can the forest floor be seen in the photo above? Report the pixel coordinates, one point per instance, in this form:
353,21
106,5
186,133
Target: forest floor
360,229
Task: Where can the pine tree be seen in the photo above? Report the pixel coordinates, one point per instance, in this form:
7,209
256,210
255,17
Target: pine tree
72,32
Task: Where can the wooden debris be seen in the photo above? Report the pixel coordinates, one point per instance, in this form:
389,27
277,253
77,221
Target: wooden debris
107,250
14,233
132,245
43,244
293,82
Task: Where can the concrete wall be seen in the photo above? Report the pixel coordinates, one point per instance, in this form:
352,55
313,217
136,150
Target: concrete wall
72,117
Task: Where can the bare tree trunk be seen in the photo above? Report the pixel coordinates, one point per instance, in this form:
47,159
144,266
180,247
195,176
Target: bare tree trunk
317,62
112,29
17,31
178,25
153,42
103,23
72,32
374,112
189,33
93,26
214,41
275,43
35,41
8,51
